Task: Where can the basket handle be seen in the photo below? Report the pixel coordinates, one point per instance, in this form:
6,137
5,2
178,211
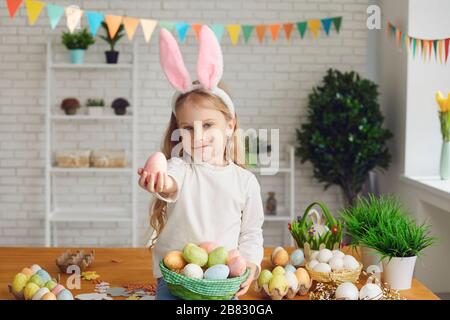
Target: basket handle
325,210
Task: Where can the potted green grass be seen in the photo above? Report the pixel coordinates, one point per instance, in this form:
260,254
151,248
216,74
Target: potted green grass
77,43
95,106
363,215
399,241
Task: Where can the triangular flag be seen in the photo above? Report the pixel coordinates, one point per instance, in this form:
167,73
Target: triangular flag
288,27
167,25
314,26
398,37
275,31
234,30
113,23
407,43
148,26
54,13
414,47
94,20
447,42
130,25
302,26
403,40
73,16
196,27
440,47
34,9
182,29
337,23
326,24
13,6
435,43
218,30
424,49
261,32
430,49
247,31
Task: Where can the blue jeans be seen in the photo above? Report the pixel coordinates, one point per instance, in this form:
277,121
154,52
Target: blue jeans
163,293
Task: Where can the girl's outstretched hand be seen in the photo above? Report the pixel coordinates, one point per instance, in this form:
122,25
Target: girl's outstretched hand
159,182
246,284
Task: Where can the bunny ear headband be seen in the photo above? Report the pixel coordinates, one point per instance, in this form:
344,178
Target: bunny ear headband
209,66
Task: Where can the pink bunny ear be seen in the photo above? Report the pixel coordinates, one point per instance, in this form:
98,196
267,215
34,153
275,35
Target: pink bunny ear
172,61
210,59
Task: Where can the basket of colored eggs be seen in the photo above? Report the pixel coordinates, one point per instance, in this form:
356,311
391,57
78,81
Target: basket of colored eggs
204,272
333,266
35,283
287,279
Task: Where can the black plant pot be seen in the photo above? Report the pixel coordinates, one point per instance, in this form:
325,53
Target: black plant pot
120,111
112,56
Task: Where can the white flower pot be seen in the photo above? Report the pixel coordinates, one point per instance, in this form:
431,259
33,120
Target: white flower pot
398,272
370,257
95,111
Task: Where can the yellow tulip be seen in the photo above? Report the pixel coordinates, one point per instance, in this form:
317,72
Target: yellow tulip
443,102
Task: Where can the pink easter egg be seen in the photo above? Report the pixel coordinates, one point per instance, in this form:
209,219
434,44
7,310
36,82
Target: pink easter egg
209,246
157,162
57,289
237,266
233,254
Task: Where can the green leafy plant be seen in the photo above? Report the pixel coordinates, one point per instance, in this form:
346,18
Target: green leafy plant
398,236
95,103
112,41
366,214
77,40
343,137
303,230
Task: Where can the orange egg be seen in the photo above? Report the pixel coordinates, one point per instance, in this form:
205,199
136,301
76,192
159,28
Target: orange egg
28,272
174,260
280,257
49,296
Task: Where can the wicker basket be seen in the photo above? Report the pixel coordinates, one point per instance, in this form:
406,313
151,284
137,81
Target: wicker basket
344,275
201,289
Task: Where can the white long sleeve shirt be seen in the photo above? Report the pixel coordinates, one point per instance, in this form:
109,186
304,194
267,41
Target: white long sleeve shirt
212,203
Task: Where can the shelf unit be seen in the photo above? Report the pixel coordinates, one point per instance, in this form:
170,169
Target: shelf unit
284,213
54,214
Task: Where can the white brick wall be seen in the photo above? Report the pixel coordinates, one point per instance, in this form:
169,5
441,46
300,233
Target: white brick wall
269,83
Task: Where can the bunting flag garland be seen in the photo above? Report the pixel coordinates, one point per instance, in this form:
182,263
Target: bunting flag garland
34,9
428,48
54,13
95,19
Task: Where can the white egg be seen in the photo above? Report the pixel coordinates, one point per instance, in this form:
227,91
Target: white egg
347,291
290,268
350,263
193,271
291,279
336,263
312,264
338,253
322,267
324,255
370,291
35,268
313,255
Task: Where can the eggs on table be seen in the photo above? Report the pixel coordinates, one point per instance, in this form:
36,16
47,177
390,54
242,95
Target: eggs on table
218,262
326,260
35,283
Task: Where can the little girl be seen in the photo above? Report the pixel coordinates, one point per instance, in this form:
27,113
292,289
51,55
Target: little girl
206,194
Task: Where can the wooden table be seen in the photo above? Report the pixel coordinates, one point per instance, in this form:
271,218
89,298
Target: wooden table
131,266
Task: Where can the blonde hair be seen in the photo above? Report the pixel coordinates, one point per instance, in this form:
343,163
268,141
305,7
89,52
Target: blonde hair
158,208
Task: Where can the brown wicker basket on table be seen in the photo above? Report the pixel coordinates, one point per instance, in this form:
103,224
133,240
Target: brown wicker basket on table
340,276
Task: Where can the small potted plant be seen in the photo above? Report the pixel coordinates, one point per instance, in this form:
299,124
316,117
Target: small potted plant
363,215
120,106
77,43
70,106
399,241
95,106
112,56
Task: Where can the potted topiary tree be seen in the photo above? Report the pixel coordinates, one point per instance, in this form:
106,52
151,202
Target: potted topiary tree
120,106
343,137
70,106
399,241
95,106
112,56
77,43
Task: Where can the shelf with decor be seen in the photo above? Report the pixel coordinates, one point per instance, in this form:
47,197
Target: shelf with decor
100,213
